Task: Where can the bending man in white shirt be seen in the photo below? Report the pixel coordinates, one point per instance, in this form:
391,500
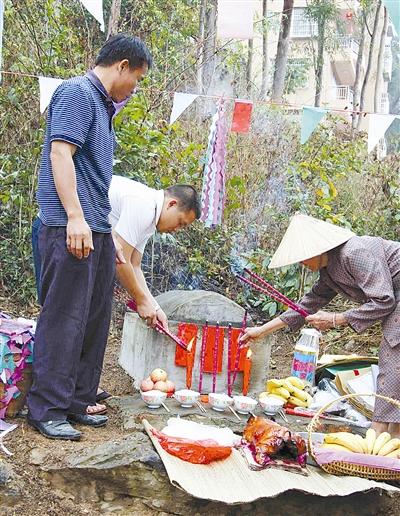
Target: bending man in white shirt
137,212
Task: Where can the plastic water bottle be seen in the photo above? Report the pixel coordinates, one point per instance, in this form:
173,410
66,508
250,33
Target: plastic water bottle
306,355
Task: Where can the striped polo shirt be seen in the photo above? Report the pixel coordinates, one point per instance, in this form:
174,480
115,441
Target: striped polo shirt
80,112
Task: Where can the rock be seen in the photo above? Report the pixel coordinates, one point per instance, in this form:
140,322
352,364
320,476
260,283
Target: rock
37,456
350,345
10,485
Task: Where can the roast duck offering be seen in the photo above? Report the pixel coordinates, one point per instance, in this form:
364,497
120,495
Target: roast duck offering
270,443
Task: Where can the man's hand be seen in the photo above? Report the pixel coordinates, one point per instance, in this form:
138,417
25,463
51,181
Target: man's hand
79,237
321,320
147,311
119,252
162,318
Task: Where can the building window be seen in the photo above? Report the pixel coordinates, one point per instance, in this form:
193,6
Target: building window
302,26
297,74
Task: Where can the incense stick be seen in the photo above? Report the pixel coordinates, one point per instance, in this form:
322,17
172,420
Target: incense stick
215,358
274,294
229,358
159,327
203,355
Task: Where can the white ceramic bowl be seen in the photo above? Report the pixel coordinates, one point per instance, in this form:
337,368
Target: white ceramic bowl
270,405
244,404
219,401
186,397
154,398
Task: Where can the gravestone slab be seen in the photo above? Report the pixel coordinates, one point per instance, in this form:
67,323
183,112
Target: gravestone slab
143,349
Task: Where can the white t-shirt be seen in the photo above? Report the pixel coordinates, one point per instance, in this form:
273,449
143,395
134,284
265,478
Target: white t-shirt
135,210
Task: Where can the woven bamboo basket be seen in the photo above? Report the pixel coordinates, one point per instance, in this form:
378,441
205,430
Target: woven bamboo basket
347,468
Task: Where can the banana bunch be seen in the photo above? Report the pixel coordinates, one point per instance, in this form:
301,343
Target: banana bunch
382,445
291,390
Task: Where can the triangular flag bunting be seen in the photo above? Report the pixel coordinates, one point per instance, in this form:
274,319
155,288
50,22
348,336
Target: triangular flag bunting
309,121
181,102
393,7
95,7
47,86
377,127
241,116
235,19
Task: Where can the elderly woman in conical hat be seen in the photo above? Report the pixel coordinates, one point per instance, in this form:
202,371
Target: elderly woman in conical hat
363,269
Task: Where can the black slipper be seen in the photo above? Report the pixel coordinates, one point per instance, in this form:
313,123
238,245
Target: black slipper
103,395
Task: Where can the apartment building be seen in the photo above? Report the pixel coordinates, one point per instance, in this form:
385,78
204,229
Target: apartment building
340,57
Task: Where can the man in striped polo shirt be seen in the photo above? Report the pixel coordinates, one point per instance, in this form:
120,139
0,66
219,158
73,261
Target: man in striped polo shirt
77,251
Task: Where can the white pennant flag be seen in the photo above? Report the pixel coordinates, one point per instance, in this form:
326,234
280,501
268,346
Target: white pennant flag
47,86
95,7
378,125
235,19
181,102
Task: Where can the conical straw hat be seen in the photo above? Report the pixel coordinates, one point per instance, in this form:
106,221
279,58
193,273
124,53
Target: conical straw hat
307,237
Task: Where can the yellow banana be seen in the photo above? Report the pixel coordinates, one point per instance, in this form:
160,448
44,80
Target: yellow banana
394,454
381,440
282,392
296,382
292,400
302,395
288,386
337,447
344,439
362,441
370,439
274,384
390,446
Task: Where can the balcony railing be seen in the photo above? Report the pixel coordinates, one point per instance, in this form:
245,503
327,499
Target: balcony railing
347,42
384,106
343,93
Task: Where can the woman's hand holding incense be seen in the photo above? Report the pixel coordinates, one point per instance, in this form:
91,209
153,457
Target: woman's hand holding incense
147,310
259,332
326,320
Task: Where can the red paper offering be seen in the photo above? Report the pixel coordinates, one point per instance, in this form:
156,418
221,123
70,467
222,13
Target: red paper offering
209,355
236,333
241,116
186,332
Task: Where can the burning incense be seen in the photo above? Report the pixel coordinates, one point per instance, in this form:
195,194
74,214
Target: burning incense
215,357
246,372
189,363
203,355
159,327
229,358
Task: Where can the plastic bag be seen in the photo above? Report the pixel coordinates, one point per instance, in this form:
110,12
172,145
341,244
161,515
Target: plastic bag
196,452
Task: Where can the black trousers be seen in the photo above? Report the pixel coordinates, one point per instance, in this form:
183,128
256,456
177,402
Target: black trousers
72,330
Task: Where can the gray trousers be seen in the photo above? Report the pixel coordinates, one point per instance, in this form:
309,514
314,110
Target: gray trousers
72,330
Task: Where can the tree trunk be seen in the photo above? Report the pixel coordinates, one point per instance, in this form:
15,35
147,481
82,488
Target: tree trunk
282,51
113,20
200,47
249,67
358,77
379,66
265,62
320,61
370,59
209,45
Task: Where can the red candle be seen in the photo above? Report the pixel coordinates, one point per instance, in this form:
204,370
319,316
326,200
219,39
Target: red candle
189,364
246,372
